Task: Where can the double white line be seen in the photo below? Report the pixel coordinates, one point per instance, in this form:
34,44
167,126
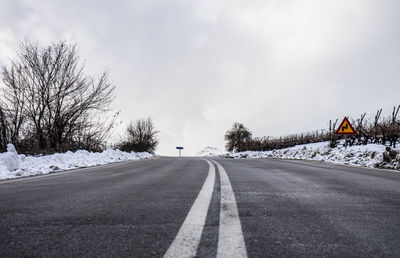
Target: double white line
230,236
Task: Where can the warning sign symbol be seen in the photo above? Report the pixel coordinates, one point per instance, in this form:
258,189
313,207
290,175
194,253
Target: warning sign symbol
345,128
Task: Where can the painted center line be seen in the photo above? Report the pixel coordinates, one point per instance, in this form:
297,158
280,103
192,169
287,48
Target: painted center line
188,238
230,236
230,239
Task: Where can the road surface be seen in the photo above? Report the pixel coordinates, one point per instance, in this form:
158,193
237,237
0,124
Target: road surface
175,207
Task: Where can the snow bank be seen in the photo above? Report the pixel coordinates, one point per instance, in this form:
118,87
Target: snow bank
371,155
13,165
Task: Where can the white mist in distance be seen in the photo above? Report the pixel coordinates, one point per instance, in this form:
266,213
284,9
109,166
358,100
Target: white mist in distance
196,67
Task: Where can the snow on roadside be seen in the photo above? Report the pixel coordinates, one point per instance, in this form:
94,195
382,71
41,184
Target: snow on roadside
13,165
371,155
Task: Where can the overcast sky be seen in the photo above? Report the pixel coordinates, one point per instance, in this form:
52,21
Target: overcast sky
196,67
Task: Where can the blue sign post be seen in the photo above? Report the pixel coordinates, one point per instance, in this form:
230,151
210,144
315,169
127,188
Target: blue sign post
180,149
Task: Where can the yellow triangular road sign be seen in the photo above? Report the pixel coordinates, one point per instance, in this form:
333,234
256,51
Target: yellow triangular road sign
345,127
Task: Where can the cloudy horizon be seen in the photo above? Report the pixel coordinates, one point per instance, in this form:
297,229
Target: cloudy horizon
196,67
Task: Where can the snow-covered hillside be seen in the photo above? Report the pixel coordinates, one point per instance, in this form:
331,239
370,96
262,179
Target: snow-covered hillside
371,155
14,165
210,152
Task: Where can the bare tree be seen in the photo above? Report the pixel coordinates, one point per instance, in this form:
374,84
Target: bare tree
51,104
3,131
394,129
141,137
332,136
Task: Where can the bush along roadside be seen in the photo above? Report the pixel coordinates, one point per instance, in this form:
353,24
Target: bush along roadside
390,159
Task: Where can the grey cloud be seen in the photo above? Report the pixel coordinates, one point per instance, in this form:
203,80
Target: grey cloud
197,66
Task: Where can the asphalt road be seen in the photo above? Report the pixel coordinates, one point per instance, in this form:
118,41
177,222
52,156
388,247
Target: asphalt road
152,208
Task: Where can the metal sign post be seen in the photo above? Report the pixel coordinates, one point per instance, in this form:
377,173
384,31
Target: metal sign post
180,149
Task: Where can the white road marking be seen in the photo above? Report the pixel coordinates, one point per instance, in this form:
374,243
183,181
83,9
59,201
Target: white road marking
188,238
230,239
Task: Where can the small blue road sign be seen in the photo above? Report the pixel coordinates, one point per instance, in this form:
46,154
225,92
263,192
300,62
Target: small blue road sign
180,149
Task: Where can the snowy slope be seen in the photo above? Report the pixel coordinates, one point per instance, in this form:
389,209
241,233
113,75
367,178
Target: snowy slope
14,165
371,155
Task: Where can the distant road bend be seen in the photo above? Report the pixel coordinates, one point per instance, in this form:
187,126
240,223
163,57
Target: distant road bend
192,207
